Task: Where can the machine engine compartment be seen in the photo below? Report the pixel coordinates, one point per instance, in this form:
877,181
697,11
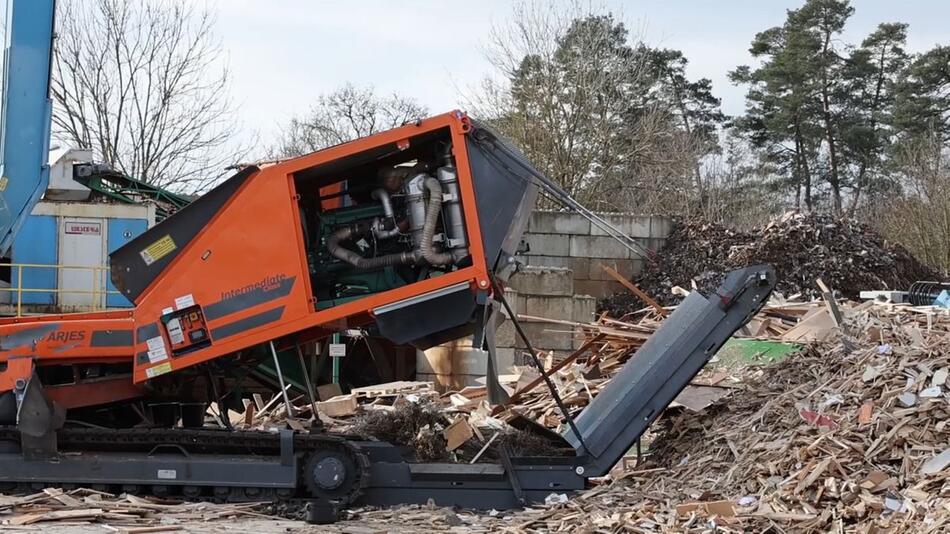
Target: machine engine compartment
383,220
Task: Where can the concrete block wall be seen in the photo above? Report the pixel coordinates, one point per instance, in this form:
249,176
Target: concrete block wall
562,280
549,293
569,241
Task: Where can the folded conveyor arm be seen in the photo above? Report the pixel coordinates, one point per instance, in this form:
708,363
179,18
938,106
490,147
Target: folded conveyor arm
663,366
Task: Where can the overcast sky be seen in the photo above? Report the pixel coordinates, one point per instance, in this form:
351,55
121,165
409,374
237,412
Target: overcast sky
283,53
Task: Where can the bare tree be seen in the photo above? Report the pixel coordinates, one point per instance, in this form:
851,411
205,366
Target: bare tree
144,85
345,114
919,217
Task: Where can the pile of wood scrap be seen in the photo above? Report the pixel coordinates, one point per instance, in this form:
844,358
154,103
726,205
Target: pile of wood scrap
125,513
578,378
849,255
850,435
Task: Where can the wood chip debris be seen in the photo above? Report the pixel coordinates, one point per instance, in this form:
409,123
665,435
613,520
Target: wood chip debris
124,513
750,462
811,443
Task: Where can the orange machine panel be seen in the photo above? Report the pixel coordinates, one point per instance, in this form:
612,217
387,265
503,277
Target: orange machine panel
384,229
247,268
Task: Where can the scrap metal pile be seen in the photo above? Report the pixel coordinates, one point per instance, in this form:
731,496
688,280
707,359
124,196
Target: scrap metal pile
848,255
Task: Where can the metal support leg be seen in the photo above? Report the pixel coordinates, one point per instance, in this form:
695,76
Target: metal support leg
512,474
336,361
222,408
500,295
286,447
306,379
280,379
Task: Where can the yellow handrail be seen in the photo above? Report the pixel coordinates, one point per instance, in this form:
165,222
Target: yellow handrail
99,291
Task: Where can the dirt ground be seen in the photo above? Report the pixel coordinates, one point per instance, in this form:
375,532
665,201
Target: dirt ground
394,524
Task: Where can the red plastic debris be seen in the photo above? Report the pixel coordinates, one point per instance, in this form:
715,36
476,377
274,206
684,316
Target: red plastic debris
820,420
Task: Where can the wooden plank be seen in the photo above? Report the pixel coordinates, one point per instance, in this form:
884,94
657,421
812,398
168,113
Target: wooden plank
249,412
338,406
816,327
270,403
62,497
457,434
829,299
58,515
635,290
328,391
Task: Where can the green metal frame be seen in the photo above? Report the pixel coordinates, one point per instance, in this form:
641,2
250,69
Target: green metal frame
117,186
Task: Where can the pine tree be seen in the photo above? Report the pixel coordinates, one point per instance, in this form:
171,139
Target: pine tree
872,75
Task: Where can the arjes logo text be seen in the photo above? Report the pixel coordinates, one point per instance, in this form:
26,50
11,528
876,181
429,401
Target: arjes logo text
66,336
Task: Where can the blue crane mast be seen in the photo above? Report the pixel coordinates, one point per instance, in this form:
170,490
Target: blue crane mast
25,112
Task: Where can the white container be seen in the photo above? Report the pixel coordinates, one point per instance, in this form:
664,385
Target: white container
61,183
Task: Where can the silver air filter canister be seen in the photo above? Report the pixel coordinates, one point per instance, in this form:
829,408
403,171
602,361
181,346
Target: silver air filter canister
415,198
452,219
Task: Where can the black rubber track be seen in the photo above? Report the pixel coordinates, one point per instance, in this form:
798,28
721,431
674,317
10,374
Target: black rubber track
209,441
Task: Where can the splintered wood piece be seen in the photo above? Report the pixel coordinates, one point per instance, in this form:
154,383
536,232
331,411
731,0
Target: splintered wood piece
249,412
865,413
340,406
635,290
457,434
328,391
58,515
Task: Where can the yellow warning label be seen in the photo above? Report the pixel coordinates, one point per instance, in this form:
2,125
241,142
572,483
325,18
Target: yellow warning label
3,183
152,372
158,250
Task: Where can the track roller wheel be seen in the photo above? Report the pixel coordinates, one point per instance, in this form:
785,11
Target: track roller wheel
221,493
331,475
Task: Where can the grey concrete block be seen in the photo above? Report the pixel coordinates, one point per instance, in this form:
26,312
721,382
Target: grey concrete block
597,288
505,358
597,247
581,268
470,362
583,308
548,245
505,335
514,300
543,281
555,222
637,267
661,227
549,307
561,262
632,225
622,266
544,336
